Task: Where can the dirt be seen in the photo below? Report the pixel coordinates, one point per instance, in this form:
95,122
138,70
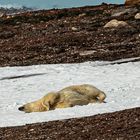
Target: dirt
122,125
71,36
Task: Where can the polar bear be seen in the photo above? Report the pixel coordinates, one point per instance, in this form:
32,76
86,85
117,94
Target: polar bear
67,97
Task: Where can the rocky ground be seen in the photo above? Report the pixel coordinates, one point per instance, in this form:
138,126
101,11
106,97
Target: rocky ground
69,36
123,125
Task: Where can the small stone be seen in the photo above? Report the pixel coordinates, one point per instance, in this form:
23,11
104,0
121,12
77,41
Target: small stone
31,130
115,23
8,16
82,15
85,53
2,15
137,16
123,11
74,28
18,22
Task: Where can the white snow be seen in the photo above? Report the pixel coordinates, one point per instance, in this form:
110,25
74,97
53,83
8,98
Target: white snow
121,83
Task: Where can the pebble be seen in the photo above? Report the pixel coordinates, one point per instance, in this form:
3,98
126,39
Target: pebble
137,16
74,28
115,23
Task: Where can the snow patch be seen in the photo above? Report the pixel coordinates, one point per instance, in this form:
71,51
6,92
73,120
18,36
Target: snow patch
119,81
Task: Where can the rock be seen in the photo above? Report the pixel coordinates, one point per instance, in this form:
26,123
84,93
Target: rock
8,16
123,11
89,52
137,16
74,28
2,15
82,15
115,23
132,2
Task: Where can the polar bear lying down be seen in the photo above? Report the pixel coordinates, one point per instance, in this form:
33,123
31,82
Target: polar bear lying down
67,97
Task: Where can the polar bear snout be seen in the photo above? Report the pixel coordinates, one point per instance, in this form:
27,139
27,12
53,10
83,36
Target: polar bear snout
36,106
21,108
